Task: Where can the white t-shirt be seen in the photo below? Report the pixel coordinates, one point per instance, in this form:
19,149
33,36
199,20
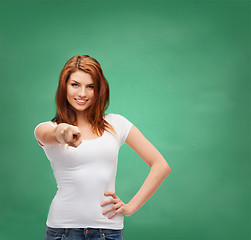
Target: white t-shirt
83,174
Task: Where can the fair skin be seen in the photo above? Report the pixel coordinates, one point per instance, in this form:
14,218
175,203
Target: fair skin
159,171
79,86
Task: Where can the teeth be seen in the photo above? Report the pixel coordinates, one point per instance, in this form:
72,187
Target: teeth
81,100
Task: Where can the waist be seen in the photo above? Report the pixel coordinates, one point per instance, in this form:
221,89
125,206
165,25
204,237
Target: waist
81,212
80,231
97,233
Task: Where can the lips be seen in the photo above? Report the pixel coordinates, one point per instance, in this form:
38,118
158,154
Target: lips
81,101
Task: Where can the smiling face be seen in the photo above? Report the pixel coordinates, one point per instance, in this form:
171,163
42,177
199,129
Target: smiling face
80,90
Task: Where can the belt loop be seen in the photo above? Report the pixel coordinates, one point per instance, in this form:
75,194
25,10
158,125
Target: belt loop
102,235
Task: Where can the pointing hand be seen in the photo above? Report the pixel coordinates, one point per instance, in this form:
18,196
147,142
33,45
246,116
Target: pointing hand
68,134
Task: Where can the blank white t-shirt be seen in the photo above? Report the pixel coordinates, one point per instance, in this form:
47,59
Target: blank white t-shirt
83,174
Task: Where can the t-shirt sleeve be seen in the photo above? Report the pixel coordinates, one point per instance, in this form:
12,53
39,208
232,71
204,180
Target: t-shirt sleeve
123,127
48,122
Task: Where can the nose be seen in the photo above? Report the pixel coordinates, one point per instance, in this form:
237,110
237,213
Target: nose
82,92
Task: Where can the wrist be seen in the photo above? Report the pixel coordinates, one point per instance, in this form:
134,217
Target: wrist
132,208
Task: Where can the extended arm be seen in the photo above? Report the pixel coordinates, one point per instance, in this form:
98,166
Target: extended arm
63,133
46,134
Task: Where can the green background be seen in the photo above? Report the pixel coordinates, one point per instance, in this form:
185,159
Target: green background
178,70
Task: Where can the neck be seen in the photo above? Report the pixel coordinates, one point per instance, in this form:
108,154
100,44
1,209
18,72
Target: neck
82,119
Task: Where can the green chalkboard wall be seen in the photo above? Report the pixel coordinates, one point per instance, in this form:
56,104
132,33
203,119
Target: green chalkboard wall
178,70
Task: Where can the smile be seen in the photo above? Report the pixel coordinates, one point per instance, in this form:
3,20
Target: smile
81,102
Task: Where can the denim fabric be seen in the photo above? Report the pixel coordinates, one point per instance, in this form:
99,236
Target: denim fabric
83,234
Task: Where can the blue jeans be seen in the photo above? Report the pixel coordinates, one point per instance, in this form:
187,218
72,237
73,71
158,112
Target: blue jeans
83,234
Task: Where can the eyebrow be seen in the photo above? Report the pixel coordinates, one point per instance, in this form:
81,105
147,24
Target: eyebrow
78,82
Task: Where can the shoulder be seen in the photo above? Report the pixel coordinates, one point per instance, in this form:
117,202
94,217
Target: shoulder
121,125
118,120
47,123
113,116
43,125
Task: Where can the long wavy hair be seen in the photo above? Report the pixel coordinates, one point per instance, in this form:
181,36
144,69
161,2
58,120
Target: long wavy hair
66,113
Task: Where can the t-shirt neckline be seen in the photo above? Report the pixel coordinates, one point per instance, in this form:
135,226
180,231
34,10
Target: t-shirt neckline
94,138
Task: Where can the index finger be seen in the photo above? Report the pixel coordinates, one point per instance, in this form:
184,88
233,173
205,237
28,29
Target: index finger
76,135
111,193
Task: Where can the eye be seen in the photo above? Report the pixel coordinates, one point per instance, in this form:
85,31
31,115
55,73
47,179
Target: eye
74,84
91,86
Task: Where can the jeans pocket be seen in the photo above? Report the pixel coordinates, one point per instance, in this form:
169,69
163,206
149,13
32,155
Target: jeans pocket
53,234
113,234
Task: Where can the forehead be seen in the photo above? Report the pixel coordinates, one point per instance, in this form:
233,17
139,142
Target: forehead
81,77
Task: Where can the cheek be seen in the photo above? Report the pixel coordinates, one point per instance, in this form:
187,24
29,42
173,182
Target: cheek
70,91
91,94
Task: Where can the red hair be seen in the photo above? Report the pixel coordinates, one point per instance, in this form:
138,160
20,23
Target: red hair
65,112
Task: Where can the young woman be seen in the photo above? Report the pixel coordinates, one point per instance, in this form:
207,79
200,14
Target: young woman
82,144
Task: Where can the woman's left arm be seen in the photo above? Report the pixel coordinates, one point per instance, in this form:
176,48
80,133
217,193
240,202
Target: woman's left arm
159,171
